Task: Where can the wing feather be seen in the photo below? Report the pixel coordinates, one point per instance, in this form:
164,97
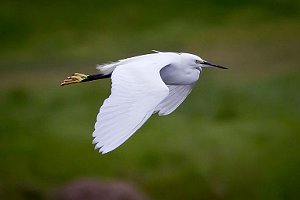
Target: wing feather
136,92
177,94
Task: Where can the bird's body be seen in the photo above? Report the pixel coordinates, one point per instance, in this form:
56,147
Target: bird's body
141,85
172,73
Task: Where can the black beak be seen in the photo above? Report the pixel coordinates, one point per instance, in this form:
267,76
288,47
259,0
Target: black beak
214,65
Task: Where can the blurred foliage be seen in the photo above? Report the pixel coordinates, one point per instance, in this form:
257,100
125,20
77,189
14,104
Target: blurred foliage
235,137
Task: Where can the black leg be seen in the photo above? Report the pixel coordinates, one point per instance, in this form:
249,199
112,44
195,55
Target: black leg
79,78
93,77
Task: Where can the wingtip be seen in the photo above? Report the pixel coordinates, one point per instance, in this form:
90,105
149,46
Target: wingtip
95,141
100,149
103,151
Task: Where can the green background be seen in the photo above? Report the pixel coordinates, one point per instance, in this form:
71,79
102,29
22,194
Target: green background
235,137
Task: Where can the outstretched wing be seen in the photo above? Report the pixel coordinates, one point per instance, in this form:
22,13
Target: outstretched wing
136,92
177,95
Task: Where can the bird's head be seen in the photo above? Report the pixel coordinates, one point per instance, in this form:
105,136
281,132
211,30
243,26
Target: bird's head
199,63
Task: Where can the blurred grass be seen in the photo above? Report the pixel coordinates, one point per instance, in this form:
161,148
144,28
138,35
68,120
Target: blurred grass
235,137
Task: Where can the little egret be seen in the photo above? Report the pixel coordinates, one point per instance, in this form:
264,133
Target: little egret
142,85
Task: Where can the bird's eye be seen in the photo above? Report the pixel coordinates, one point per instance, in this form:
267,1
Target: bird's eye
198,61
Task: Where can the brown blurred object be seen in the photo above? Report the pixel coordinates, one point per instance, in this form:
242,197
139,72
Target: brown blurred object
87,189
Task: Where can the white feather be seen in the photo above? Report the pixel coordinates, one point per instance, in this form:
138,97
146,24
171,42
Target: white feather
137,89
141,85
177,95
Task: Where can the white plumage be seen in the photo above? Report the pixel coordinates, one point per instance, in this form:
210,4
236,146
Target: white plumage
141,85
134,95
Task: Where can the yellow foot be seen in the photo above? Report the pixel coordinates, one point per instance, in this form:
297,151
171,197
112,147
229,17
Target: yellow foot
75,78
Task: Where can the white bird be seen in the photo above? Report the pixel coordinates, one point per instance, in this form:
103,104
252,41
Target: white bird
142,85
